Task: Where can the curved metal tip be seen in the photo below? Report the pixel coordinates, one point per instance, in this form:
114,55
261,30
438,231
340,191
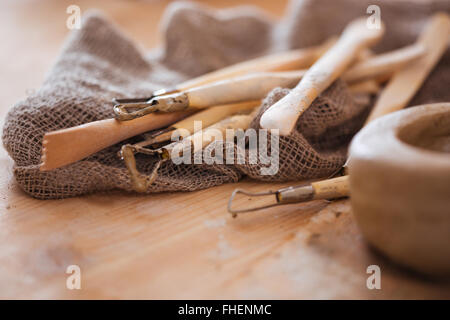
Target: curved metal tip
122,113
131,100
139,181
235,212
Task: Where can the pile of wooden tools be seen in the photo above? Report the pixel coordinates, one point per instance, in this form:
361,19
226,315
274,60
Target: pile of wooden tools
226,99
401,86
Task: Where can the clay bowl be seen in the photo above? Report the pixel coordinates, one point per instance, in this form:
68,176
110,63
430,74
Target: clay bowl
400,186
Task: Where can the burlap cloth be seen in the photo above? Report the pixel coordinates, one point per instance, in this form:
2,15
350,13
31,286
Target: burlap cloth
99,63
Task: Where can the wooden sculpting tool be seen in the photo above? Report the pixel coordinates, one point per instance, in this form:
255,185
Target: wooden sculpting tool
405,83
385,63
321,190
192,144
206,117
365,87
395,96
65,146
254,86
284,114
283,61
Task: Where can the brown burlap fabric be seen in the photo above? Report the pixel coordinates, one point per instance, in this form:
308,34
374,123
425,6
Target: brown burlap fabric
99,63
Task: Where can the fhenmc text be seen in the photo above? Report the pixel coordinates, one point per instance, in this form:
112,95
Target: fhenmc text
245,309
226,309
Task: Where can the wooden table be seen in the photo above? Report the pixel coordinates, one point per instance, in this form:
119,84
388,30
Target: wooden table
179,245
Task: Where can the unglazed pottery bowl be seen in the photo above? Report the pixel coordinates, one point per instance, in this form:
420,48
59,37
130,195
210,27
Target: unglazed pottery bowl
400,186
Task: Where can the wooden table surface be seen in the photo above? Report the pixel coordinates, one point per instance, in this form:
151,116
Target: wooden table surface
178,245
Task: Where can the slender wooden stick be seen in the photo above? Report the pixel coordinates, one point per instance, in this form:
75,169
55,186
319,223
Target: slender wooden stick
251,87
217,113
206,117
257,85
200,139
366,86
284,61
386,63
405,83
284,114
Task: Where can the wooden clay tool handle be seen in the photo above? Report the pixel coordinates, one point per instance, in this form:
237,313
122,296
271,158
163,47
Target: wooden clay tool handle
62,147
257,85
252,87
405,83
284,114
200,139
386,63
327,189
215,114
365,87
206,117
284,61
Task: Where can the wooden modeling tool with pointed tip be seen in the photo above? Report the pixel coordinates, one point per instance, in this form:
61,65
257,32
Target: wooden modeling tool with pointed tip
356,37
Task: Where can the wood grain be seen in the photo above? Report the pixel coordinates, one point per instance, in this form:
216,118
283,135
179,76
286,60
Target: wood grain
179,245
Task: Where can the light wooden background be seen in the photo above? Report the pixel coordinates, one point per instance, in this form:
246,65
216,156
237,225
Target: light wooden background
181,245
